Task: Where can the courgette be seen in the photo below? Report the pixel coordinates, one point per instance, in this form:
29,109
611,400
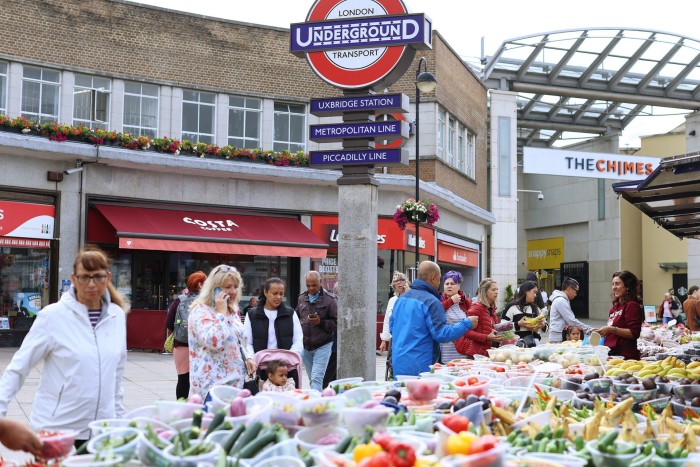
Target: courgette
249,435
197,418
252,449
218,419
343,444
231,440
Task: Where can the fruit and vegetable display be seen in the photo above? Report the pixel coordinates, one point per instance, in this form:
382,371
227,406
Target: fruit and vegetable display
567,405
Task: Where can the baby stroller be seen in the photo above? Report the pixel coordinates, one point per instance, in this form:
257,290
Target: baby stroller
293,361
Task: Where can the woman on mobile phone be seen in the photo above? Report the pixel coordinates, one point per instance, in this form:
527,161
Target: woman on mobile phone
216,336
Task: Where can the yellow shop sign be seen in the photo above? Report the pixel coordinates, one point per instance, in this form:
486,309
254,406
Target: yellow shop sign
547,253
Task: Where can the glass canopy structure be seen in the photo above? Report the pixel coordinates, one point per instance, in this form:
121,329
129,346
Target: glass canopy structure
577,84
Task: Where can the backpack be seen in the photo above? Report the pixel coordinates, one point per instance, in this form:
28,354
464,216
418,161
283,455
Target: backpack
181,314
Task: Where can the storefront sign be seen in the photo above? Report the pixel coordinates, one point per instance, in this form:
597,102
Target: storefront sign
26,220
383,157
355,44
587,164
379,104
547,253
329,133
14,242
389,236
453,254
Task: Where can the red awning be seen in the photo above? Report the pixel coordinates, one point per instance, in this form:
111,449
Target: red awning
208,232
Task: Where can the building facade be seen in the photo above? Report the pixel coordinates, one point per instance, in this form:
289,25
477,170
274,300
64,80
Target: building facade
158,73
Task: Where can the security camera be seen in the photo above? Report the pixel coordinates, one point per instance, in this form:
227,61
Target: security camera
73,170
540,196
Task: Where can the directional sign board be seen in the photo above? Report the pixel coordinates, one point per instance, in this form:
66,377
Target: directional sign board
382,157
381,131
379,104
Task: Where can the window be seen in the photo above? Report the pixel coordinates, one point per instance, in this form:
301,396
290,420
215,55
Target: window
244,116
40,94
452,135
460,148
289,131
91,101
3,88
441,134
141,109
470,168
198,114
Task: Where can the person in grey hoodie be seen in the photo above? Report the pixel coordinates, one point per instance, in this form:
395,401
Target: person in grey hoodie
560,313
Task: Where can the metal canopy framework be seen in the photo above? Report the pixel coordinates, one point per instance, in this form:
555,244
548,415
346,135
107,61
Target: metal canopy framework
595,81
670,195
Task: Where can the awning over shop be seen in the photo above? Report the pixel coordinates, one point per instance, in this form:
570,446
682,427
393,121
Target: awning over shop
670,195
139,228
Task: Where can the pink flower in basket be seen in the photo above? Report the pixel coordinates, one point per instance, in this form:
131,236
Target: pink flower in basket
411,211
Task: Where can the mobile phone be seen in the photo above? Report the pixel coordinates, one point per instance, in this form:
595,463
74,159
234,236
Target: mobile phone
216,292
313,315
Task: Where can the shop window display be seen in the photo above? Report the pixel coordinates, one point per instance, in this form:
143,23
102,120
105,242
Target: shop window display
24,285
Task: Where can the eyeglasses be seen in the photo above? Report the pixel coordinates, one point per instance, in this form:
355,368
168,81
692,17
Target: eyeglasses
224,268
396,281
85,279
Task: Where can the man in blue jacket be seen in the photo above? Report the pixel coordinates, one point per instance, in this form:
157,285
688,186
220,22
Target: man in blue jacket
418,324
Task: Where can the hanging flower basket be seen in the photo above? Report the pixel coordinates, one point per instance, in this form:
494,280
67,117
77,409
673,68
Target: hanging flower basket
412,211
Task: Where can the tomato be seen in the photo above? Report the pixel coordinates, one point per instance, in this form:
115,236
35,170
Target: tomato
381,459
384,440
483,444
460,382
456,423
450,363
472,380
499,369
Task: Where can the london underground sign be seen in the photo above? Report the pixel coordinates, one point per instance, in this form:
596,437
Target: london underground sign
383,157
379,103
355,44
366,130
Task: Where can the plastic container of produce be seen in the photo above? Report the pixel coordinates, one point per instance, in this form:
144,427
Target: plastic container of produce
126,450
422,390
308,437
91,460
602,459
56,444
495,457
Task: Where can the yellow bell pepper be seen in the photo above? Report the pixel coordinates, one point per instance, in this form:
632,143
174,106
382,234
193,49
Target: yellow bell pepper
365,450
460,443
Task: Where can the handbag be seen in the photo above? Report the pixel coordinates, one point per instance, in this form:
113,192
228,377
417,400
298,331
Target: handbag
527,341
251,382
169,343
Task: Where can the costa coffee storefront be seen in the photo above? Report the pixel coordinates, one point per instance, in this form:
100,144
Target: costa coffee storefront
26,262
395,251
157,247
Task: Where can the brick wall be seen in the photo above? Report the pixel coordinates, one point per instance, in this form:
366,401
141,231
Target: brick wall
435,170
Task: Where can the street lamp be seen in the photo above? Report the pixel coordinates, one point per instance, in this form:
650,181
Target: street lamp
425,83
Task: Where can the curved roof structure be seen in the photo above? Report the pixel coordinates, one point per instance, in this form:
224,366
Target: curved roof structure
593,81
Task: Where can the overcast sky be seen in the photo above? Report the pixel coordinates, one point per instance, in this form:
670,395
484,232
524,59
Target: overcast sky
463,23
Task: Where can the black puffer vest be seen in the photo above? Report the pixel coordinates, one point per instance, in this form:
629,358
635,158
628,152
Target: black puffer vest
284,327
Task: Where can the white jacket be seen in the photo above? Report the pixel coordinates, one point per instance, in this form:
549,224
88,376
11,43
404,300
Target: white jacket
81,379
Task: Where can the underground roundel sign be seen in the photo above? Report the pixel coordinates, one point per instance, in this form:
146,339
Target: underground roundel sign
355,44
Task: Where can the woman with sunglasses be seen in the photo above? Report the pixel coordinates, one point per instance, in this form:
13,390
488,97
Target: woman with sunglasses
215,333
81,341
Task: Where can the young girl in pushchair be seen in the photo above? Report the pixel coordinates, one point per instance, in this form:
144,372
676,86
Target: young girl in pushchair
278,369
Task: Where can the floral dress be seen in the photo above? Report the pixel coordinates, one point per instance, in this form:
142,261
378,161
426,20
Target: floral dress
215,349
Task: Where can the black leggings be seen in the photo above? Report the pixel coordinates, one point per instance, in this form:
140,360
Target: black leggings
182,390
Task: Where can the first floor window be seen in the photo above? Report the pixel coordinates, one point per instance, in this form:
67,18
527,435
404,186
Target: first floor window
441,134
244,116
3,88
198,116
40,94
91,96
141,109
289,127
470,160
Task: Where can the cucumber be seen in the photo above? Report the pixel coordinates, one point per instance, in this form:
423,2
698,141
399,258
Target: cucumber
343,444
197,418
607,440
82,449
218,419
231,440
252,449
248,436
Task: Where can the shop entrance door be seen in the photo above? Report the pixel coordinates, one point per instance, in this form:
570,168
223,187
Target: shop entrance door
578,270
145,324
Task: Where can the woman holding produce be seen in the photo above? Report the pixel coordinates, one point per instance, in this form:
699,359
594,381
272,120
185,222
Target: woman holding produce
477,341
456,305
625,317
215,333
526,316
81,341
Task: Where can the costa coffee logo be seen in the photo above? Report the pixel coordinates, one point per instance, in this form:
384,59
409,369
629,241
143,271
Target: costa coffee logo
2,214
212,226
355,44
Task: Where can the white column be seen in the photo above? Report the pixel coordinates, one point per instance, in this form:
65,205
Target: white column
692,144
221,132
165,113
65,111
116,117
14,89
504,233
268,120
176,112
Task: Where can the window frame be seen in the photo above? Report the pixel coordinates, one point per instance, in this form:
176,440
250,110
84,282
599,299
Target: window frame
470,159
451,158
4,79
289,114
141,128
98,94
199,134
442,116
40,116
246,111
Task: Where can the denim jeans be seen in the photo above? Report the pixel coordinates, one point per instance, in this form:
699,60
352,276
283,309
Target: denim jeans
666,319
315,362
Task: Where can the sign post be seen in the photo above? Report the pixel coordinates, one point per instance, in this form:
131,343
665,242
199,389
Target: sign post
361,47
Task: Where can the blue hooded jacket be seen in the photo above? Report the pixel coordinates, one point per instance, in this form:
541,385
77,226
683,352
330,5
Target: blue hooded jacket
417,327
